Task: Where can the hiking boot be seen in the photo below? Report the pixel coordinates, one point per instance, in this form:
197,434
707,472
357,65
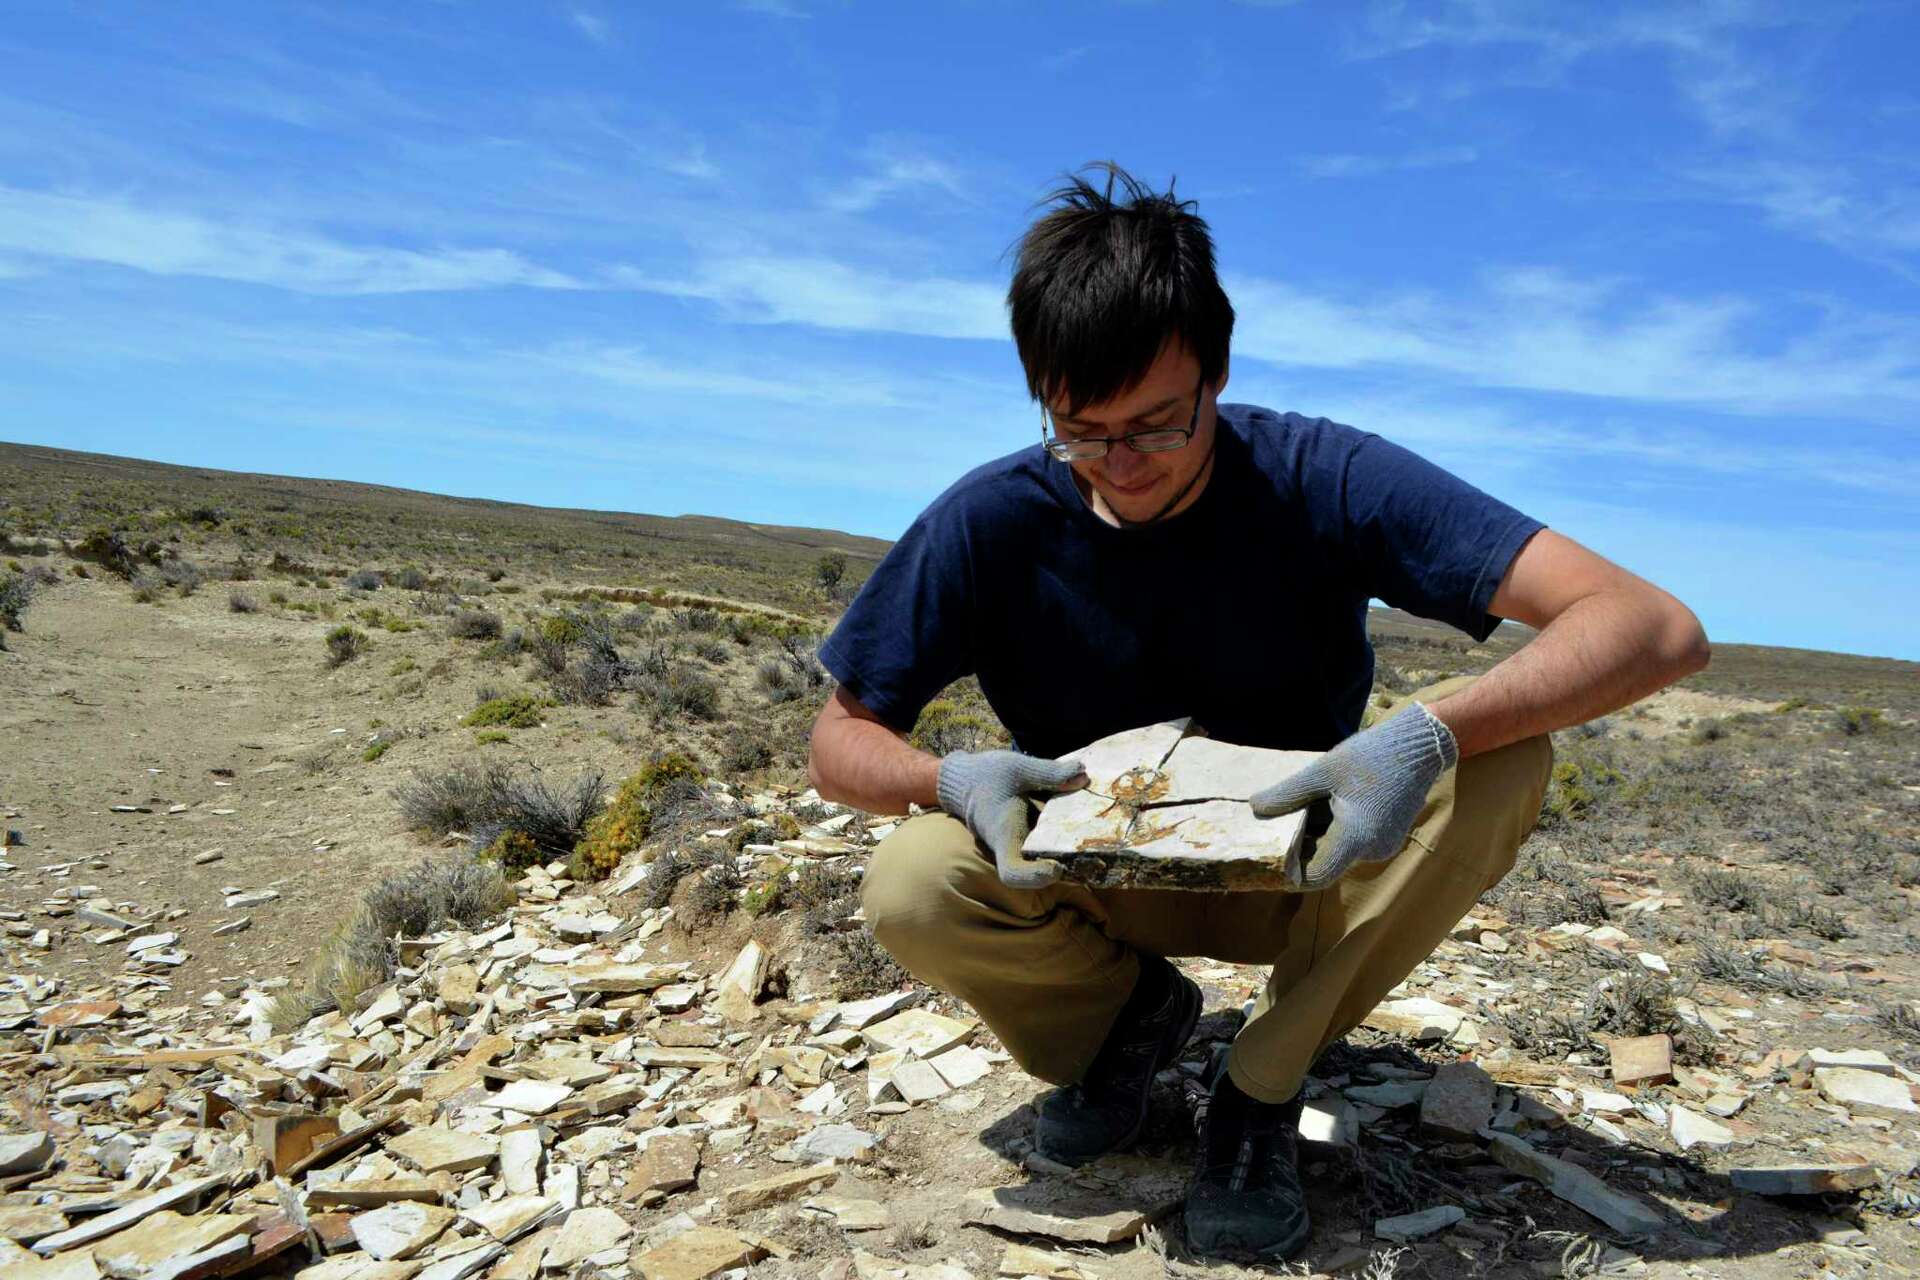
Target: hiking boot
1246,1201
1108,1107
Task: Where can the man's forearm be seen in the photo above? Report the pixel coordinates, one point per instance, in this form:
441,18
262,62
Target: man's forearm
868,766
1601,653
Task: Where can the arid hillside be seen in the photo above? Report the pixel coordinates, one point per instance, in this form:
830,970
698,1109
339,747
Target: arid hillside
383,820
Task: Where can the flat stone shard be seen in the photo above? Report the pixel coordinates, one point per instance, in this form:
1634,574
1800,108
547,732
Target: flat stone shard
1861,1090
1166,808
749,1196
400,1230
696,1254
740,985
1642,1059
1059,1211
1458,1102
1577,1187
1804,1179
25,1152
436,1150
1416,1226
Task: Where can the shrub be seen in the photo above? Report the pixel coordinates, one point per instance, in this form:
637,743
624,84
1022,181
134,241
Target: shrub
376,749
555,819
409,579
515,850
16,592
516,711
743,750
492,737
829,569
682,691
713,651
360,955
590,682
276,597
628,819
776,679
146,588
455,800
1577,785
109,550
344,644
1857,720
564,629
474,624
182,575
944,727
241,602
1722,890
363,580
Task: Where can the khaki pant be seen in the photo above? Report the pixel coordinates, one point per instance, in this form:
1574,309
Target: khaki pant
1048,970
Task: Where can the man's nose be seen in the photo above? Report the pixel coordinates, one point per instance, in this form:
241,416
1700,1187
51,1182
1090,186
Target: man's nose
1123,461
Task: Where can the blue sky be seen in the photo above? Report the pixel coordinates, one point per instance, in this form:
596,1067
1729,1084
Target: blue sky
1649,272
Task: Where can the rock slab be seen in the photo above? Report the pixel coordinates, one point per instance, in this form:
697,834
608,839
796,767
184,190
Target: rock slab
1458,1102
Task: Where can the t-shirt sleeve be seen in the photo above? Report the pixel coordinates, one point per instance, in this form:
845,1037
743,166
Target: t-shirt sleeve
908,633
1425,540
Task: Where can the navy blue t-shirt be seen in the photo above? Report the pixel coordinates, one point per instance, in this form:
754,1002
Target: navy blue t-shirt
1247,611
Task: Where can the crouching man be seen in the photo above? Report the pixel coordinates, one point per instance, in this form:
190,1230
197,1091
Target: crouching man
1161,553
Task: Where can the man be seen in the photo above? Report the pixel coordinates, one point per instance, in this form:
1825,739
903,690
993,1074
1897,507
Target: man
1163,554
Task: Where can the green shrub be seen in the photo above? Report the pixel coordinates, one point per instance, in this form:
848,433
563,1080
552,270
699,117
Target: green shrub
515,711
376,749
491,737
109,550
627,821
829,569
1857,720
344,644
474,624
944,727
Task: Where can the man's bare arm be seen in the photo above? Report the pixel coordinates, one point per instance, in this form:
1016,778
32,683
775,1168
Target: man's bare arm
1607,638
857,759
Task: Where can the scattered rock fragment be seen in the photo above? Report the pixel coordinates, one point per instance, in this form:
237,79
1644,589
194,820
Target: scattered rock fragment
1862,1090
1458,1102
1417,1226
1642,1059
696,1254
1576,1186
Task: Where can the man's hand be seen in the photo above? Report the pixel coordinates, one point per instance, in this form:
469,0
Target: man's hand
988,791
1377,780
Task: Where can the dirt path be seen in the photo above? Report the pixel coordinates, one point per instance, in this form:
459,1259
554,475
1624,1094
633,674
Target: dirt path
109,702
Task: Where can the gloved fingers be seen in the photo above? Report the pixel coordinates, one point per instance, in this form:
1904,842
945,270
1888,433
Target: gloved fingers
1022,872
1008,832
1295,791
1332,858
1035,774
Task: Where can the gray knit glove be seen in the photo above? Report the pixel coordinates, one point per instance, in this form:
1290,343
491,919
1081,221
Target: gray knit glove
1377,780
988,791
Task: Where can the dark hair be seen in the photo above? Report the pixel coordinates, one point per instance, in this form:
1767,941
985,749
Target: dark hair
1100,285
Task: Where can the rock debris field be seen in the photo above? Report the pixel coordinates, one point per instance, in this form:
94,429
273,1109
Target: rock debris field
568,1091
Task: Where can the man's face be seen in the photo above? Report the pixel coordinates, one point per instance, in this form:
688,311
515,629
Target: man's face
1137,486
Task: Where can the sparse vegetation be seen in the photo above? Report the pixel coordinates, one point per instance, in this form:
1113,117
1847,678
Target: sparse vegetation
359,956
513,711
344,644
241,602
474,624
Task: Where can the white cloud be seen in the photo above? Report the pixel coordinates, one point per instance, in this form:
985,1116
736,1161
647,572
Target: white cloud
1543,331
97,229
592,25
893,177
830,294
1362,166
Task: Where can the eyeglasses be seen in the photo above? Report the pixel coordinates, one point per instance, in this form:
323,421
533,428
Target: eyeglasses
1152,440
